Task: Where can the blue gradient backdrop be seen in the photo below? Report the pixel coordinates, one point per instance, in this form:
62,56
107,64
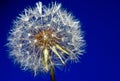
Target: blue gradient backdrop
101,22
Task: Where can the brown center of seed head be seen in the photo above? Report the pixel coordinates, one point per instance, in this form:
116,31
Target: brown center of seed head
46,38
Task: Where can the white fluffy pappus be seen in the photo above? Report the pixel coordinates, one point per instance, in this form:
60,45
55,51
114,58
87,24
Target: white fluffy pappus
45,36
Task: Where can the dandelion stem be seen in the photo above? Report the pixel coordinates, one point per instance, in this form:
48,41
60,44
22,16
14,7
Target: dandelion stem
52,74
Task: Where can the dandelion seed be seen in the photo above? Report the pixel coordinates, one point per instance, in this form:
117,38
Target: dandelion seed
44,38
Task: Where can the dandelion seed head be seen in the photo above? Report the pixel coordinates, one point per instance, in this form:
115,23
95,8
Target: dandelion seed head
44,37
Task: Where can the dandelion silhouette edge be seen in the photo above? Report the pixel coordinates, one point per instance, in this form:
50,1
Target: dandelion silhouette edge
42,37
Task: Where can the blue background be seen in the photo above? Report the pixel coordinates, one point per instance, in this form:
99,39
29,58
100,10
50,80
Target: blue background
101,22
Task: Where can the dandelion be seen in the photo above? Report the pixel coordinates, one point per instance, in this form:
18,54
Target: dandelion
43,38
